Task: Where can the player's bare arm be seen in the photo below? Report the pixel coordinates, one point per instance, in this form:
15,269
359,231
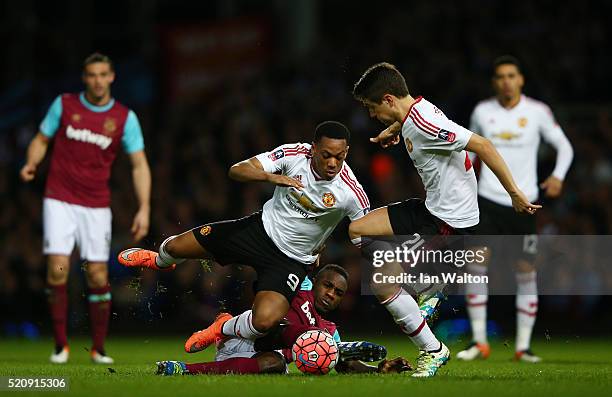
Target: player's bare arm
141,174
36,153
395,366
251,170
390,136
491,157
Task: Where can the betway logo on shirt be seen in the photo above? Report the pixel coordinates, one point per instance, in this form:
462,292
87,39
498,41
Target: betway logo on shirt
85,135
306,309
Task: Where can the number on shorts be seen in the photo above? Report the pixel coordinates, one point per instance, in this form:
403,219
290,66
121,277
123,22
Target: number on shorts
530,244
293,281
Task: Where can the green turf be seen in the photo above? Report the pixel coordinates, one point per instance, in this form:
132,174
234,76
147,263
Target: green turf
574,367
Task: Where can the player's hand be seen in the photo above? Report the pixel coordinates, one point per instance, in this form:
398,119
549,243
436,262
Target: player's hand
28,172
388,137
140,225
522,205
284,180
552,186
395,366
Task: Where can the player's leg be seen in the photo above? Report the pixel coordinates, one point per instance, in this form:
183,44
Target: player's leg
526,309
375,223
260,363
58,269
476,297
59,235
94,230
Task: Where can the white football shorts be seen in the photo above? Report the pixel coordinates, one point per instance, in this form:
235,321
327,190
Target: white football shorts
65,224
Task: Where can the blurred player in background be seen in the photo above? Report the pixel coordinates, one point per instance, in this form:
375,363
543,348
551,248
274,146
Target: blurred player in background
437,146
87,130
272,353
515,124
315,190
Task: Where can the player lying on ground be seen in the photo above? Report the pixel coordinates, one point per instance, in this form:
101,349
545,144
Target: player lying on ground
272,353
437,147
315,190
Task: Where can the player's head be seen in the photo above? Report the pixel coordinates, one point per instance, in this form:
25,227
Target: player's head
329,148
329,287
98,75
379,89
507,78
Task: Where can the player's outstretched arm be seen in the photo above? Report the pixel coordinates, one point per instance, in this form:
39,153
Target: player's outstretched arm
36,153
390,136
491,157
395,366
251,170
141,175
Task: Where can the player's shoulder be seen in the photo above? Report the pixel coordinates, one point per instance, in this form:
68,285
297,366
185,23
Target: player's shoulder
485,105
122,107
536,104
297,150
349,184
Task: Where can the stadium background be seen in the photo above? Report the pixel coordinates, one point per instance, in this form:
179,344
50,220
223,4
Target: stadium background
216,82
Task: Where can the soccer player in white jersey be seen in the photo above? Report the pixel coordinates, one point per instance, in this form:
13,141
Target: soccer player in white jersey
515,124
315,190
437,147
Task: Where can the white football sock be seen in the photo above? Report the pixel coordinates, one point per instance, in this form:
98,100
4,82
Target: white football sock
476,296
164,259
242,326
526,308
407,315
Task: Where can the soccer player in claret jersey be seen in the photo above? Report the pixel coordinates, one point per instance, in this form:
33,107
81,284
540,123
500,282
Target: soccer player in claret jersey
437,147
514,123
87,130
271,353
315,190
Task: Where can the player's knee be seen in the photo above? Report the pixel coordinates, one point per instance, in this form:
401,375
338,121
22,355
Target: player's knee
271,363
57,274
264,323
97,279
171,247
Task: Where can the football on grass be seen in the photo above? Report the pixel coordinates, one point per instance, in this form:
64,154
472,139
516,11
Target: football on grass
315,352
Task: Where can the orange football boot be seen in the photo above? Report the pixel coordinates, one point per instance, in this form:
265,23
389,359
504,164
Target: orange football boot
202,339
138,257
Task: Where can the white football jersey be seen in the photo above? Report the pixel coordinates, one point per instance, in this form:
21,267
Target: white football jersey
516,134
436,146
297,221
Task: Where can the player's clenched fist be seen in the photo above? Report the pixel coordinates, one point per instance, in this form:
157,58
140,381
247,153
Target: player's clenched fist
27,172
397,365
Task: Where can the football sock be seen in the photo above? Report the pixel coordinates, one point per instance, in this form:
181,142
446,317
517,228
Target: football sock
164,259
58,307
407,315
526,308
231,365
99,313
242,326
476,298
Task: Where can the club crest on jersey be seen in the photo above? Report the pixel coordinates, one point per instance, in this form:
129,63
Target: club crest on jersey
205,230
110,125
279,154
76,117
522,122
447,136
329,200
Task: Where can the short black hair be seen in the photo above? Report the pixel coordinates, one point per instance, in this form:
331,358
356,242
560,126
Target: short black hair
333,268
98,57
380,79
505,60
332,129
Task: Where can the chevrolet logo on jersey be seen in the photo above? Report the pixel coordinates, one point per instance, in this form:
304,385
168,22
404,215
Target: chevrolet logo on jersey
506,135
304,201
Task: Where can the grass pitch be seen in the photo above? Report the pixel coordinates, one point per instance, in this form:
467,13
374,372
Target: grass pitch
573,367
